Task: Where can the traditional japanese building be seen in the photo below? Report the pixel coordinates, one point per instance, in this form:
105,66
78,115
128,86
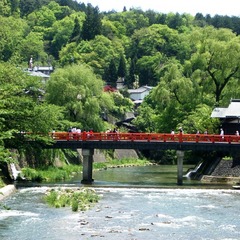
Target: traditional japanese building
229,117
140,93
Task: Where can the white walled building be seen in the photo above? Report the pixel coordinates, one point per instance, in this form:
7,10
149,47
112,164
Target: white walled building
139,93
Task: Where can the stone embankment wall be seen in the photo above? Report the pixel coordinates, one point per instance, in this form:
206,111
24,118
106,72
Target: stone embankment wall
99,155
225,172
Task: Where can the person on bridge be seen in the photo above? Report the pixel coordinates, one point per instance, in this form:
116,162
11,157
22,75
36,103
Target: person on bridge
222,133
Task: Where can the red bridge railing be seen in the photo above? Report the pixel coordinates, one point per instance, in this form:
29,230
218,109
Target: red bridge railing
147,137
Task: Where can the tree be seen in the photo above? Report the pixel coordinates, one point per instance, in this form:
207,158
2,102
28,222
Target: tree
146,119
21,108
31,45
200,119
60,34
80,92
219,53
10,38
131,74
28,6
5,8
122,69
96,53
129,21
76,33
156,38
146,68
43,18
111,74
92,26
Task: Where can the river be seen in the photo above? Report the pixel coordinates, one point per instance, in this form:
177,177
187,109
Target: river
137,203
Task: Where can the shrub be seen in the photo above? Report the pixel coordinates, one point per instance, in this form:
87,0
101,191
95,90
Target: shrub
82,198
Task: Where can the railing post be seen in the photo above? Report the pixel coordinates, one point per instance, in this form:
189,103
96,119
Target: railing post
164,137
84,136
180,156
180,137
197,138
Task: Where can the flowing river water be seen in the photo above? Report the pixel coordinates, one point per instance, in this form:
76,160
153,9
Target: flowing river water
137,203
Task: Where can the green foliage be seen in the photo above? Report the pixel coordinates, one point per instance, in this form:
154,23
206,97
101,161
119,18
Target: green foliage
200,120
92,25
80,92
79,199
122,69
146,119
129,21
121,105
193,63
76,33
32,174
97,53
216,51
110,74
120,162
2,184
5,8
51,174
10,38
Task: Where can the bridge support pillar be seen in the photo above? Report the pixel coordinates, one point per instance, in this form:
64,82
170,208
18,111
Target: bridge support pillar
87,166
180,156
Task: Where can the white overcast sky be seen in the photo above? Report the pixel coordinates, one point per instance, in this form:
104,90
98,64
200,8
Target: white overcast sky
212,7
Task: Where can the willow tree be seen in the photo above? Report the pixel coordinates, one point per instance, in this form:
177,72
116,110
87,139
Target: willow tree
173,97
78,90
217,56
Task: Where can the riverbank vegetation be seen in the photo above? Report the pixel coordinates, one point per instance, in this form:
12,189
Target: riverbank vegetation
191,62
50,174
80,199
55,174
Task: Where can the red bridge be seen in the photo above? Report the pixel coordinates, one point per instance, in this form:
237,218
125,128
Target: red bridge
209,142
159,141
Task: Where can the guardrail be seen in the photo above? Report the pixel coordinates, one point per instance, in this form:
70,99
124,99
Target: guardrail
146,137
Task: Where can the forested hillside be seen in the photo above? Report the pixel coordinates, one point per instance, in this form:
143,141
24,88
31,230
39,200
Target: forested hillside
191,61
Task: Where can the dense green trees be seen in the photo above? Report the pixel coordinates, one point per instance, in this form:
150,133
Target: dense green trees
80,93
21,107
191,65
92,25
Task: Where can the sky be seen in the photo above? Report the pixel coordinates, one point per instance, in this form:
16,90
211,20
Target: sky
212,7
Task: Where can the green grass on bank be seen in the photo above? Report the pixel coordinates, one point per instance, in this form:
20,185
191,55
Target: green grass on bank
55,174
125,162
2,184
51,174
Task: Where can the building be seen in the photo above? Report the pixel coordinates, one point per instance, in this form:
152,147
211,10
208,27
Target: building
140,93
44,69
43,76
229,117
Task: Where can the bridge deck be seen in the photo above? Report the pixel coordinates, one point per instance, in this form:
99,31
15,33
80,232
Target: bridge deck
161,141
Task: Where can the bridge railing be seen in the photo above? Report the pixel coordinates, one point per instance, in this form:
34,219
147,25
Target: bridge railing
163,137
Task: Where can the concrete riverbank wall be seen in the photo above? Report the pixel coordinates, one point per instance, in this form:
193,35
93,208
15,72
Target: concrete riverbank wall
6,191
